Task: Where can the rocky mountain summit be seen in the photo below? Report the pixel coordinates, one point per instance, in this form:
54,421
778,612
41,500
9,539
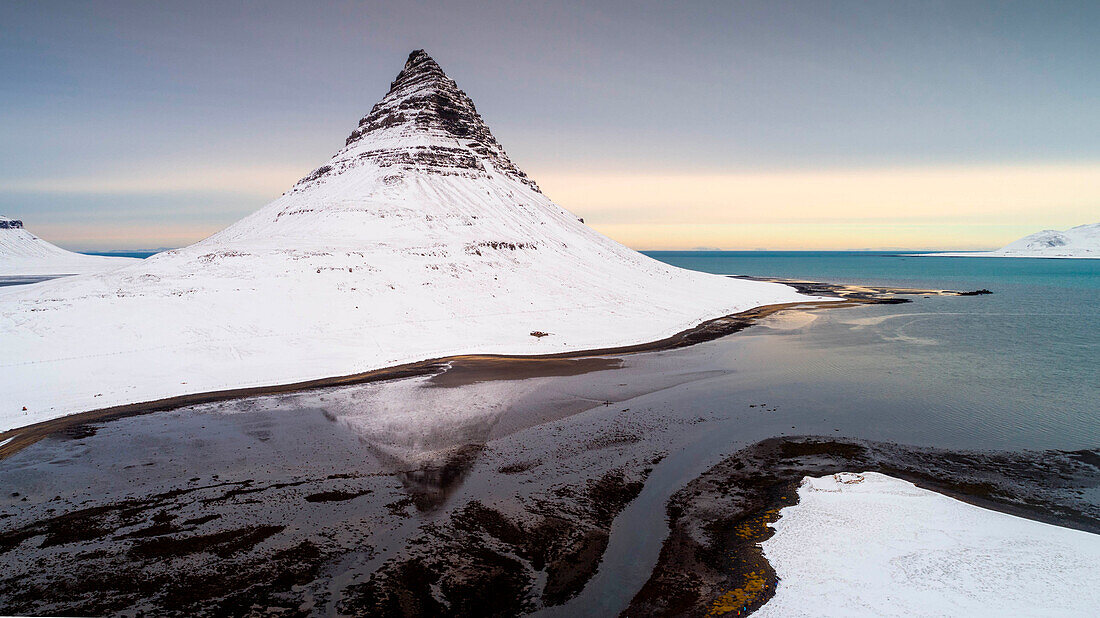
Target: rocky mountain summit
426,106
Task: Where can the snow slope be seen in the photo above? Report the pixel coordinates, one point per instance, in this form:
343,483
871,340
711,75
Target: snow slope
872,545
23,254
418,239
1082,241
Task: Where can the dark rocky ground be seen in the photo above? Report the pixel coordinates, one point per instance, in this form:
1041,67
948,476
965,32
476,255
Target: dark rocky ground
151,555
156,555
482,561
210,547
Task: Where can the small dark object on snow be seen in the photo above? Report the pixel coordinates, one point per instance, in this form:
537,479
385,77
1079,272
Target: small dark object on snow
534,333
980,292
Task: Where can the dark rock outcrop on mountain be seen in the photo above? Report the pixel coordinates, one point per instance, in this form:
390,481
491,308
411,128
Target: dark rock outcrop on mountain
423,101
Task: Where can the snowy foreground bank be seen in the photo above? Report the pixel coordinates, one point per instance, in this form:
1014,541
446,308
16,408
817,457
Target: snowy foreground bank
872,545
419,239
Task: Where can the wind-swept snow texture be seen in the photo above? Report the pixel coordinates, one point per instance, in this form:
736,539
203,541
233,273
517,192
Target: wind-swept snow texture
23,254
1082,241
419,239
872,545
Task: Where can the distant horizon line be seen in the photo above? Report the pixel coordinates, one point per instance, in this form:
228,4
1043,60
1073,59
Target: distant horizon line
695,250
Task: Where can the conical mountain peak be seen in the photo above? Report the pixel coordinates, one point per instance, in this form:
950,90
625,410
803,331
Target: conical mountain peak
425,123
420,69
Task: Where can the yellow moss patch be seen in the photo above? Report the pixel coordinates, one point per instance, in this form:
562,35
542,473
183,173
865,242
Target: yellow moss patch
755,584
754,588
756,526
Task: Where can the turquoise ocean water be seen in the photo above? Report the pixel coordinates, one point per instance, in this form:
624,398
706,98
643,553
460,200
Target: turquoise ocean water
1016,369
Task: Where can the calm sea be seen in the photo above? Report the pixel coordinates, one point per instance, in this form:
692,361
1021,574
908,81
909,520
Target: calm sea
1017,369
130,254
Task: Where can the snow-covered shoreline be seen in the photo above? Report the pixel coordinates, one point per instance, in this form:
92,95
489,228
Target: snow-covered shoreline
56,384
399,370
885,547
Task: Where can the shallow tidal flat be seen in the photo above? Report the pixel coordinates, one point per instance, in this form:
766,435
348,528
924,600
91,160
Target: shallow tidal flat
577,486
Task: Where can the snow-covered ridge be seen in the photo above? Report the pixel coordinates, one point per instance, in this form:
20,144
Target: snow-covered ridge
872,545
418,239
1082,241
22,254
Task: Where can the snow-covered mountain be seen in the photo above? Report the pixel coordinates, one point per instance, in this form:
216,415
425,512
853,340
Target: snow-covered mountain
419,239
1082,241
24,254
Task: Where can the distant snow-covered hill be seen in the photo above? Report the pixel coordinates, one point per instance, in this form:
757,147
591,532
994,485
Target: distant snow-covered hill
1082,241
22,254
419,239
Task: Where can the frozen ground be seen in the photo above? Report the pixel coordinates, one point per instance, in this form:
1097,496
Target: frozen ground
872,545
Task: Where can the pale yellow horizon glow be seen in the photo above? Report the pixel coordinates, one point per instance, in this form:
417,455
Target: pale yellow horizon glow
957,207
973,207
129,236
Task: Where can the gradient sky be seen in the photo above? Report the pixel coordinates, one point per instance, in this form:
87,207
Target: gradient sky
737,125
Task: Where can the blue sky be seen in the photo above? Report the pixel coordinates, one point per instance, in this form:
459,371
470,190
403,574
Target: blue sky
136,124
